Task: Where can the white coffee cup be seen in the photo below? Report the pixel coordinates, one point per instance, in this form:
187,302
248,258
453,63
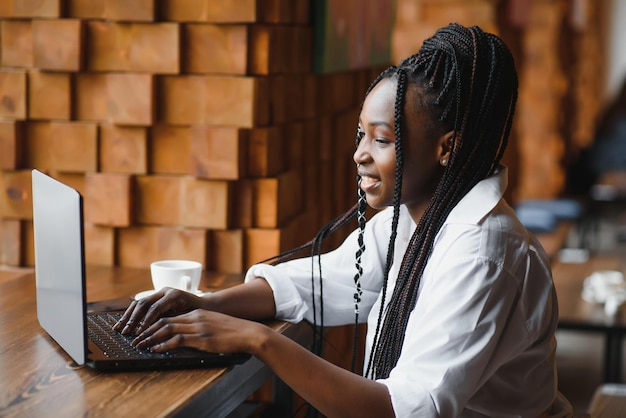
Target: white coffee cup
179,274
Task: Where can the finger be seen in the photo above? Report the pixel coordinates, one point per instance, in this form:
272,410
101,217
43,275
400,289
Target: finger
165,329
145,312
119,325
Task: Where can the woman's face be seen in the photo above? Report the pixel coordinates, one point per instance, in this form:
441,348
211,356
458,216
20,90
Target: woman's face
376,154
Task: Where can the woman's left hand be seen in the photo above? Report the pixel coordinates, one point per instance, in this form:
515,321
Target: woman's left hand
205,330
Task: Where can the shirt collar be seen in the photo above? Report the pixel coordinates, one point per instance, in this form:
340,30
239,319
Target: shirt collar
481,199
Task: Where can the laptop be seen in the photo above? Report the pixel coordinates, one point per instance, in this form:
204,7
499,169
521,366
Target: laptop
62,310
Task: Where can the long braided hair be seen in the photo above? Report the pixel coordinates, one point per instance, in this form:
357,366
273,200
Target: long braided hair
467,83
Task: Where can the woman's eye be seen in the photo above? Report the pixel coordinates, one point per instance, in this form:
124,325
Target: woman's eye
359,135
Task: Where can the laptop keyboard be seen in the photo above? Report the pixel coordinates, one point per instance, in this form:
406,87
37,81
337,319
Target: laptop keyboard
112,343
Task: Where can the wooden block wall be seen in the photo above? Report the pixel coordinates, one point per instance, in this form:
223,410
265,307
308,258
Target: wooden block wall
193,128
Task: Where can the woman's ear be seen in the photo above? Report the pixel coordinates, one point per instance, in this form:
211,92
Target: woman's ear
445,147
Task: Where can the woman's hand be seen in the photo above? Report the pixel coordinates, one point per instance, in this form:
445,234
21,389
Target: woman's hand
142,313
204,330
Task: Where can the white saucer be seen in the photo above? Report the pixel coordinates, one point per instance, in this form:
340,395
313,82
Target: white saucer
152,291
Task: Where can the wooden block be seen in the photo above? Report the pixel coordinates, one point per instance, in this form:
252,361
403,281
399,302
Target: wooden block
16,195
301,11
6,9
294,49
133,47
277,199
11,242
261,244
345,186
11,144
30,8
119,10
229,11
63,146
214,100
311,182
261,48
325,182
99,245
276,49
280,101
87,9
130,99
123,149
310,135
325,138
28,245
90,97
274,11
16,43
49,95
227,251
205,203
74,180
265,152
337,92
217,49
131,10
284,11
296,157
182,99
157,200
139,246
57,44
108,199
218,153
345,125
13,94
242,209
300,46
169,149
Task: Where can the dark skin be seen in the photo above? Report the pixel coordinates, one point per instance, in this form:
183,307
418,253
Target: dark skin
225,321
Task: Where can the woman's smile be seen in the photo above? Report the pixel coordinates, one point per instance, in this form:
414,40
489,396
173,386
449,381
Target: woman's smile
368,183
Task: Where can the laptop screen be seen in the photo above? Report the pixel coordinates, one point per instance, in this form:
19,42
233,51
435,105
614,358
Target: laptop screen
59,265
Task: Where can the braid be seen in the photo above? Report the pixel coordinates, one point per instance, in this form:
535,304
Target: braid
362,206
398,123
467,82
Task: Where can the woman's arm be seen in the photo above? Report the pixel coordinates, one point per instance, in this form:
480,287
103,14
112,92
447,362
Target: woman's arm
251,300
334,391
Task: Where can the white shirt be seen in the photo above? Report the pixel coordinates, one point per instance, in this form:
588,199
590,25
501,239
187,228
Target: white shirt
480,341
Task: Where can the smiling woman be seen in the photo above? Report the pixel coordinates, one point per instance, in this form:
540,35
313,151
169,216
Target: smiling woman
456,293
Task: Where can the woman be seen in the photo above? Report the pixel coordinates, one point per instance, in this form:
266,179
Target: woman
458,296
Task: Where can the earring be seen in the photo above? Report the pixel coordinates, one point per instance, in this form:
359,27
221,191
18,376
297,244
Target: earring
444,162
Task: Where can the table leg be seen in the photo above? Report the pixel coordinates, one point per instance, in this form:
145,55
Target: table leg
613,357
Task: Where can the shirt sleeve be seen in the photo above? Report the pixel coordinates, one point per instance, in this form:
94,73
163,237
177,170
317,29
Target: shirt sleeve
297,292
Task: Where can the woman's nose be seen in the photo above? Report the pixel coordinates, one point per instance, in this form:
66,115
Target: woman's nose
360,155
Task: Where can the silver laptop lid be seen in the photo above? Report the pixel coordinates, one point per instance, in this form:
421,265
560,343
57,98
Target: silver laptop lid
59,263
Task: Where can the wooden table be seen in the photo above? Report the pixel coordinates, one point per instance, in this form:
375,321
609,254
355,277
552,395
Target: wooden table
577,314
37,378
